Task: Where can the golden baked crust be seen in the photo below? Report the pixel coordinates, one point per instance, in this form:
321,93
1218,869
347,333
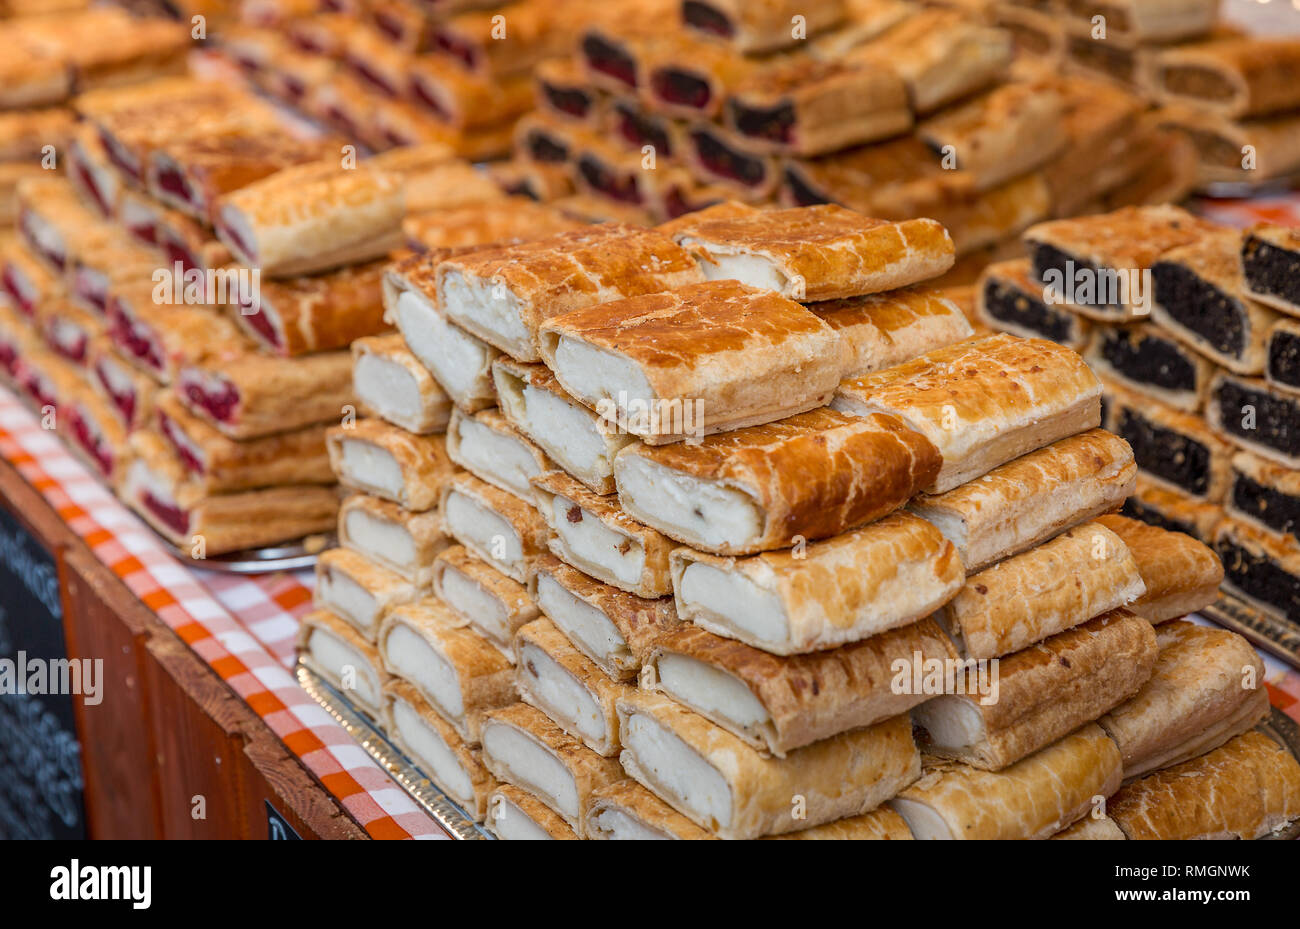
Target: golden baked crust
386,588
811,476
1181,574
1082,573
1061,323
858,584
630,799
494,421
23,133
434,411
1032,799
1028,500
422,459
741,355
1248,76
983,402
424,530
882,330
513,596
1244,789
495,222
325,622
763,25
520,515
1092,828
727,209
507,796
318,313
814,696
881,823
1156,504
846,775
165,337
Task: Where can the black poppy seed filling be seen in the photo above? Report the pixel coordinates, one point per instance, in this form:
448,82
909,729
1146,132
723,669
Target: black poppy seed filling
1177,458
1010,304
1046,258
576,103
1261,577
772,123
706,19
638,130
609,60
1135,509
677,86
1200,306
607,181
1284,358
800,192
726,162
1148,359
1276,421
1279,511
1271,270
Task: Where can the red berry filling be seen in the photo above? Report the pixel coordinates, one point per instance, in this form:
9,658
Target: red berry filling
170,515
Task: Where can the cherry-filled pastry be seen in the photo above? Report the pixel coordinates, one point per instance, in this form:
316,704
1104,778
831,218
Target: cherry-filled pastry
129,391
95,434
761,27
69,330
24,280
96,272
466,100
55,224
160,339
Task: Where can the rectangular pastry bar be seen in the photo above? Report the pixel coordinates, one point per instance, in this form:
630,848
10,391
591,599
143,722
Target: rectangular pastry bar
1157,505
359,591
492,604
26,281
1145,358
487,446
95,434
1181,574
760,27
1010,299
882,330
160,339
1270,264
380,459
627,811
498,527
1248,412
1265,494
1247,76
1260,568
1282,369
338,653
397,539
69,330
516,815
129,390
390,382
1147,21
726,158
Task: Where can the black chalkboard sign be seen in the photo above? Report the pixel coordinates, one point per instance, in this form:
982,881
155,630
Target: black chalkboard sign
40,758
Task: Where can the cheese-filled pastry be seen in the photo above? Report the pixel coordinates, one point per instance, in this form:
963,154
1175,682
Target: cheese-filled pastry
403,542
626,811
566,685
255,395
338,653
390,383
1092,828
1096,259
1082,573
1147,359
434,745
880,824
1264,494
222,465
460,673
941,55
523,747
160,339
982,402
1147,21
723,785
574,436
356,589
1239,77
505,296
694,361
1180,574
492,604
804,600
1260,567
1032,799
487,446
378,458
1269,254
811,476
1030,499
1157,505
481,223
1009,299
1282,370
612,627
1206,687
312,217
69,330
1245,789
761,27
1173,449
515,814
593,533
1043,693
495,525
780,704
95,433
818,252
1250,413
882,330
1208,272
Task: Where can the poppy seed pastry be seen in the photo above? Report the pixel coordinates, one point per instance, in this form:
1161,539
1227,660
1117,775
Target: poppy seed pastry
1282,370
1237,150
1265,494
1255,783
1206,688
338,653
1028,500
399,540
495,525
516,815
982,402
1009,299
1259,567
390,382
1199,296
780,704
377,458
1043,693
1145,20
882,330
1157,505
799,601
1080,574
1032,799
523,747
1146,359
358,590
723,785
1254,416
818,252
1247,76
1270,263
612,627
504,296
461,674
760,27
694,361
567,686
492,604
627,811
1181,574
578,440
593,534
808,477
487,446
732,161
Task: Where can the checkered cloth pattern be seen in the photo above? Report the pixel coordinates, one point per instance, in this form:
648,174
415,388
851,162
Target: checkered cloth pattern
242,627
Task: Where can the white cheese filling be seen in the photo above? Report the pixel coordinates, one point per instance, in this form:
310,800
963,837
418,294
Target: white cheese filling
710,690
561,694
434,755
571,434
951,721
532,767
475,605
676,770
619,826
589,628
512,824
684,507
386,542
924,822
411,657
748,269
595,374
485,304
388,389
374,468
733,600
500,455
589,540
483,530
344,596
335,656
457,360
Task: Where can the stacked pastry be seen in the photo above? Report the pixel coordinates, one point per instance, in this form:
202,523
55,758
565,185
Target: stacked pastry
1193,328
